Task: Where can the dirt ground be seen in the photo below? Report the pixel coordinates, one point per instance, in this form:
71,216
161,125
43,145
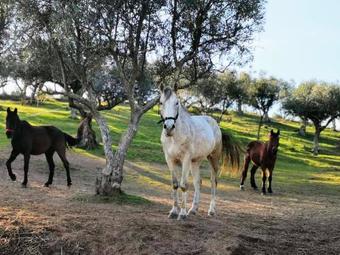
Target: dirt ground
59,220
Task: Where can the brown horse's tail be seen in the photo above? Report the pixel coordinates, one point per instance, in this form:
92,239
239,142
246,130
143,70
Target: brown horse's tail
230,154
71,141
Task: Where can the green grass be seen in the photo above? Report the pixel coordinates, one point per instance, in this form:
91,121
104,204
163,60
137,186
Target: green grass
297,169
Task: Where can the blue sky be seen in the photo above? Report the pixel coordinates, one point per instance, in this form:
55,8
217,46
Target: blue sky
301,41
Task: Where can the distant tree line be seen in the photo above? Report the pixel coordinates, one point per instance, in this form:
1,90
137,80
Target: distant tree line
311,101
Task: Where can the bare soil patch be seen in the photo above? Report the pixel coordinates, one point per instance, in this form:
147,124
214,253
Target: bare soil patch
59,220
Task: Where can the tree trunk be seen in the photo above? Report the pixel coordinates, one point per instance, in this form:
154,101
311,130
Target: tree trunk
266,117
259,128
302,130
109,183
34,91
316,140
86,134
23,95
239,107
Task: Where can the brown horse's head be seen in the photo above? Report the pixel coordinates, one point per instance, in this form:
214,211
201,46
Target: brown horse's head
12,122
274,139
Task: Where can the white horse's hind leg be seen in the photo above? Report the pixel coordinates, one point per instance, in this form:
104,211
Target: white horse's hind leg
186,166
175,208
214,164
195,171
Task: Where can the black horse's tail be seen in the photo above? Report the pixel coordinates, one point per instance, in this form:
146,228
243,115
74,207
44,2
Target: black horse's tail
71,141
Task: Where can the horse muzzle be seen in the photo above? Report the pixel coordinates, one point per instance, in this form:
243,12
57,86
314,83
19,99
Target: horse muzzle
9,133
169,129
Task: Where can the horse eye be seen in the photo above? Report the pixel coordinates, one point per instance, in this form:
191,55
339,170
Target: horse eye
160,103
177,103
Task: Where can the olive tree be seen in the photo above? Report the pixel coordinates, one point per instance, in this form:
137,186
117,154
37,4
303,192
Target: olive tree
318,102
263,93
240,91
145,42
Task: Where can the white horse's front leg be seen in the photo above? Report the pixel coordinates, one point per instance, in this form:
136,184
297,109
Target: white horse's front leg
175,208
186,166
195,171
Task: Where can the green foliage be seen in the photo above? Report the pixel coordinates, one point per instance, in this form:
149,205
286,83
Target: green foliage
314,101
263,92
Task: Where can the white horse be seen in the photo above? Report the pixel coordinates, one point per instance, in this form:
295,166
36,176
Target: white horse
187,140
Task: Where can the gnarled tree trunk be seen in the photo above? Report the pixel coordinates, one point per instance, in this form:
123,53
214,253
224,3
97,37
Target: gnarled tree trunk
259,127
86,134
302,129
109,182
239,107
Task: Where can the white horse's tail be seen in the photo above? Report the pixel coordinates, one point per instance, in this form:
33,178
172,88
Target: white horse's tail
230,154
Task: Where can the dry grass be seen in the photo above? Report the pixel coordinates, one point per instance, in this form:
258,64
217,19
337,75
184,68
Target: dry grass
59,220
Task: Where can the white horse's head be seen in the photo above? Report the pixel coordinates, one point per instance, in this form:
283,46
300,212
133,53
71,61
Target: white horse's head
169,110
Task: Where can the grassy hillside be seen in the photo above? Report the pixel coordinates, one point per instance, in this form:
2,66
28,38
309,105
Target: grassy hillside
296,168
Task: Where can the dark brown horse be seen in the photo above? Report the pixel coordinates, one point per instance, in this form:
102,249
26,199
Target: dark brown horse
35,140
262,155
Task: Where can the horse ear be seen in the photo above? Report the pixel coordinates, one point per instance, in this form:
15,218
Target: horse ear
278,132
271,132
15,110
8,110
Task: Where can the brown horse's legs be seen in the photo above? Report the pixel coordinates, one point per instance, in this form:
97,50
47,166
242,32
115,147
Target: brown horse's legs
245,170
26,165
13,156
49,158
62,156
252,176
270,181
264,178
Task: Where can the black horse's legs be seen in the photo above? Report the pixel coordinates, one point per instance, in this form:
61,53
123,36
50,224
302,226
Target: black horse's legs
270,181
264,178
245,170
49,158
62,156
13,156
252,176
26,164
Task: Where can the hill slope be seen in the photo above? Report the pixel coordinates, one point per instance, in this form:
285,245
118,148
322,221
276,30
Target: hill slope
301,217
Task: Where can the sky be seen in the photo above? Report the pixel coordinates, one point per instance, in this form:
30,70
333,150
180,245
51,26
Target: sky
301,41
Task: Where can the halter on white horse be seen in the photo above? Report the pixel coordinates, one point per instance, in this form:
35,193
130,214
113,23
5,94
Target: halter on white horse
187,140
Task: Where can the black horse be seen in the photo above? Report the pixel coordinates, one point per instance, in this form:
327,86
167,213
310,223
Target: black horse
35,140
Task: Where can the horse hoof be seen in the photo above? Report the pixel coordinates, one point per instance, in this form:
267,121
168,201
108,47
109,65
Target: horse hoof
13,177
211,213
182,217
254,188
24,185
270,191
173,215
47,184
192,212
241,187
69,184
263,193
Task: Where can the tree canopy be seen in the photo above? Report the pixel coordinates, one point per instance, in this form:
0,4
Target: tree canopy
318,102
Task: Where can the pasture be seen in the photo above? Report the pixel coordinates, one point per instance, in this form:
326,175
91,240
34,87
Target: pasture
301,217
